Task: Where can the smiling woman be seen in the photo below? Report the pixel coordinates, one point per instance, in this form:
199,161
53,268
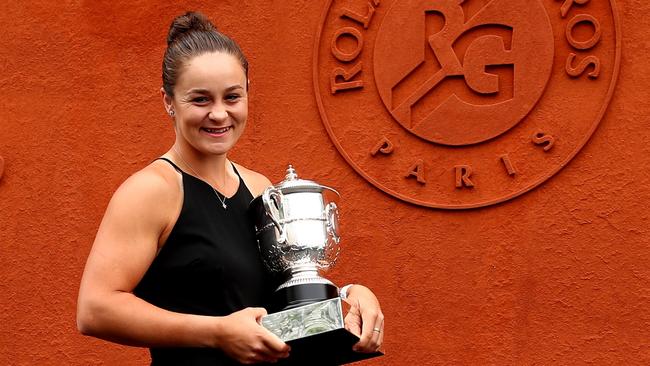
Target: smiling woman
175,266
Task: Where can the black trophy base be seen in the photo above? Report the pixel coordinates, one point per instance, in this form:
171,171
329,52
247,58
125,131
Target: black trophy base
316,334
325,349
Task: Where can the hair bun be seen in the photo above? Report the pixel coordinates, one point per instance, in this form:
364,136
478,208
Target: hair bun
186,23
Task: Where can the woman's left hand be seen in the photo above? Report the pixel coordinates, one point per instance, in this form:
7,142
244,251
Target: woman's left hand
365,319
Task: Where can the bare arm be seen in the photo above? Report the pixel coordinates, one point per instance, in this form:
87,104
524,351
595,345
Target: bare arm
137,220
125,245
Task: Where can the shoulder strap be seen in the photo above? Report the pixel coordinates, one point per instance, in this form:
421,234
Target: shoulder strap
173,165
236,172
242,184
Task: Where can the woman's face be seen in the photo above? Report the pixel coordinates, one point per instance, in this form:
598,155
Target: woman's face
210,103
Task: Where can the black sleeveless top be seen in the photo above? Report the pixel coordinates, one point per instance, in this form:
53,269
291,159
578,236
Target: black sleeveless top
209,265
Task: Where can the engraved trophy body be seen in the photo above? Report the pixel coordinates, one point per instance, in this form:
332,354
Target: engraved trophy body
298,235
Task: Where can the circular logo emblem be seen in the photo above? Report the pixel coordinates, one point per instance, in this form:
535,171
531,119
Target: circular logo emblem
463,103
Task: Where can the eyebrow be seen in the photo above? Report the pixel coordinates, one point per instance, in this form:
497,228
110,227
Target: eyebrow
205,91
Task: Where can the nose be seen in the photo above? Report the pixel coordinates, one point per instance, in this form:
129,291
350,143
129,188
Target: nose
218,112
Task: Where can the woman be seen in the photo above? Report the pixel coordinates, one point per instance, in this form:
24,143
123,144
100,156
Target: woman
175,266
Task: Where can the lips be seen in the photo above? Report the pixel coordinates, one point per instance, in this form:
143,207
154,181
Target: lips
216,131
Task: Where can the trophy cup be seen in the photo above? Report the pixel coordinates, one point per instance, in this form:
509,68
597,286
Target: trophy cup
297,234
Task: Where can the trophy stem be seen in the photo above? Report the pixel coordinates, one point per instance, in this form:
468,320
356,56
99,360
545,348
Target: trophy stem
303,287
303,274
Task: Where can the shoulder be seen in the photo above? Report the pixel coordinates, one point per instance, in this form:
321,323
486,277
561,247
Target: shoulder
143,209
156,190
255,181
156,179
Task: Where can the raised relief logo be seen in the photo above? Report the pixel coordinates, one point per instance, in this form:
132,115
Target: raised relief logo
463,103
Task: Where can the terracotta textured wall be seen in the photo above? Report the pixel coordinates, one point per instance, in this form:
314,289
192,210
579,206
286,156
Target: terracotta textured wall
558,275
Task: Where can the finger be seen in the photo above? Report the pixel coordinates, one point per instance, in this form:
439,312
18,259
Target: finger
373,343
352,321
275,345
366,330
368,321
378,329
353,324
258,313
380,341
270,349
378,337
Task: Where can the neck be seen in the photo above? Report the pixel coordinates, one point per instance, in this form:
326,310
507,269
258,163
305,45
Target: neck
211,168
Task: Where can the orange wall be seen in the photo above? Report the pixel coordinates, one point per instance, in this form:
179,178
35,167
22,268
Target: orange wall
558,275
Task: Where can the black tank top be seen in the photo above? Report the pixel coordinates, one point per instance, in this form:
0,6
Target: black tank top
209,265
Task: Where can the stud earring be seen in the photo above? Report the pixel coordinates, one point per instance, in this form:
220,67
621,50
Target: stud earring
171,113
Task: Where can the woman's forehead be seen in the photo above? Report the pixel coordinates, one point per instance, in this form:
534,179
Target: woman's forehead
210,70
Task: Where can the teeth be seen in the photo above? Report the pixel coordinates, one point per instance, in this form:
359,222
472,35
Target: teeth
217,130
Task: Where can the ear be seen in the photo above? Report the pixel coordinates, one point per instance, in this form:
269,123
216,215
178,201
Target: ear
167,99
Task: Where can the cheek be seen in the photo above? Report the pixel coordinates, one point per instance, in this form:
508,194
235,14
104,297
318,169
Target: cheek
194,117
244,109
243,115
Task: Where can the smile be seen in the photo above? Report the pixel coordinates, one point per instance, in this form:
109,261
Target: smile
216,131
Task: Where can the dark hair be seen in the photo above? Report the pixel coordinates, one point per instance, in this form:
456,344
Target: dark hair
190,35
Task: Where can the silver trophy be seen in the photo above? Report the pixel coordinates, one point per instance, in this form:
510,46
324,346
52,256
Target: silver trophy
297,232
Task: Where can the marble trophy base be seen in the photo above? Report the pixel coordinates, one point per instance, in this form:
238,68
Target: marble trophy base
315,332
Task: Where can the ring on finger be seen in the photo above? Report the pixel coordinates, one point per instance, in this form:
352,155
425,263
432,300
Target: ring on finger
377,329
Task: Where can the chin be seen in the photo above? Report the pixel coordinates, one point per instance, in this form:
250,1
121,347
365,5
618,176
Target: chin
218,150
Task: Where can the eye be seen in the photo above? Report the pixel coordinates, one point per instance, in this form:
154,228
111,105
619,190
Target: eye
232,97
200,100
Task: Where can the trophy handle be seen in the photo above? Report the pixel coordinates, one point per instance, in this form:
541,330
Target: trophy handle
272,199
330,189
331,216
333,248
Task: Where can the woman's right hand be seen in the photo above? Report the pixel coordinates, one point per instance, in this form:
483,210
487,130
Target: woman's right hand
245,340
